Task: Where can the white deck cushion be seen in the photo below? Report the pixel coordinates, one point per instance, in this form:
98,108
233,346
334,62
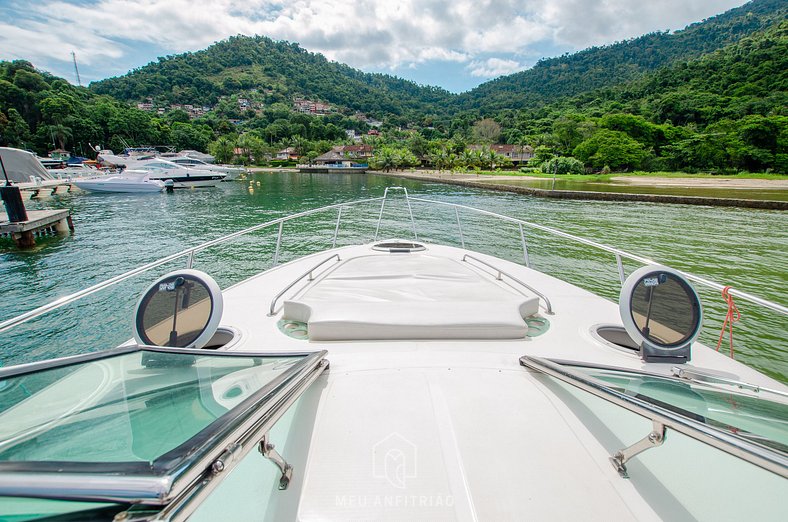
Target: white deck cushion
409,296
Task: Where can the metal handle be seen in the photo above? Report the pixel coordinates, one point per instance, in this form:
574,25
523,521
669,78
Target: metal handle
501,272
291,285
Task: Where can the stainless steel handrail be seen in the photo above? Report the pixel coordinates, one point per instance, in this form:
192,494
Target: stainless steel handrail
410,211
10,323
618,252
696,375
32,314
761,456
501,272
291,285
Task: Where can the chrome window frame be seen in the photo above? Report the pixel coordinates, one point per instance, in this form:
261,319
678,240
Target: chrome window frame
762,456
169,477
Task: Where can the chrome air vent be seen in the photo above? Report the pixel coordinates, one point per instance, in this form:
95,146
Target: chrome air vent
396,245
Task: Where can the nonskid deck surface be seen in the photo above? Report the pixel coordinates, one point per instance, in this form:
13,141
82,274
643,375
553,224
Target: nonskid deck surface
456,429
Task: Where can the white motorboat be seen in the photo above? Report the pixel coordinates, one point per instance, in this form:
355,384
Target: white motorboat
231,172
164,170
129,181
461,386
182,177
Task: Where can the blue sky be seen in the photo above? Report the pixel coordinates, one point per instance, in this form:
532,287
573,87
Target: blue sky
455,44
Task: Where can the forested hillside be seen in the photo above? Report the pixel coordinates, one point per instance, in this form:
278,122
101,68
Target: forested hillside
724,110
597,67
282,70
41,112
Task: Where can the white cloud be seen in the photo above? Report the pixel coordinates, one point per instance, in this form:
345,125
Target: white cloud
493,67
367,34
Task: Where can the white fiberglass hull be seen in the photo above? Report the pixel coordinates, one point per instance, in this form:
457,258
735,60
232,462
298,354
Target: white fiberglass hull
114,185
209,180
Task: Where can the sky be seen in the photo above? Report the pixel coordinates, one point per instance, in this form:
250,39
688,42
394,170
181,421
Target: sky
454,44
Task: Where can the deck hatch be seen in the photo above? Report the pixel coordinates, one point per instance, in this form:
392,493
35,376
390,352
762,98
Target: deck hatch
138,424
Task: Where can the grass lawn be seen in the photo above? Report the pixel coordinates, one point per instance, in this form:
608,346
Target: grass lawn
607,177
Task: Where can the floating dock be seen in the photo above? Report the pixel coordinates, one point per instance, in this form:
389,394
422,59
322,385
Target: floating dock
40,223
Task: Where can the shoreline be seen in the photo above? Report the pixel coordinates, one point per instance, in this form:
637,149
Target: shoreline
487,182
498,183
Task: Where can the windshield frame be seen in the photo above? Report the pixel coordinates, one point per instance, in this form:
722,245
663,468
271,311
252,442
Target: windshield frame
171,474
760,455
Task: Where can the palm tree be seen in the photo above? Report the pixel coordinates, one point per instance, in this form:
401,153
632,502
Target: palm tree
61,134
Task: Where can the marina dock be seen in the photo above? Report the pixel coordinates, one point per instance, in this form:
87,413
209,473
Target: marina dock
39,223
43,188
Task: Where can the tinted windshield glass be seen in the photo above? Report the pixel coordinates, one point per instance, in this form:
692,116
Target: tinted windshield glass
131,407
756,418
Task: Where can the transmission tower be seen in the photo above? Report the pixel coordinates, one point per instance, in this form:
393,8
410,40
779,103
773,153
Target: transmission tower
76,70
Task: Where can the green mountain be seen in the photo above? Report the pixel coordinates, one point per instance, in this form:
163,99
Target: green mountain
284,70
710,98
724,110
281,69
597,67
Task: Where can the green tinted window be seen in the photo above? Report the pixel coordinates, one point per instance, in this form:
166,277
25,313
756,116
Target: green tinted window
756,418
133,407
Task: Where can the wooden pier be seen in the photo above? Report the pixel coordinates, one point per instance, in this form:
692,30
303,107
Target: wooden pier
44,188
39,223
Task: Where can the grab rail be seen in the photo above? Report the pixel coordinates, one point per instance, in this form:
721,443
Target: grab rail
410,211
501,272
41,310
617,252
190,252
729,443
291,285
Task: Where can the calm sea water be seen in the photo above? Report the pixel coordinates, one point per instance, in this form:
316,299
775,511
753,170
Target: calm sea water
626,188
744,248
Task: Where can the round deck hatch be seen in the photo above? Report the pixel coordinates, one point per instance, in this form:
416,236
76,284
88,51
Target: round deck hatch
182,310
398,245
661,312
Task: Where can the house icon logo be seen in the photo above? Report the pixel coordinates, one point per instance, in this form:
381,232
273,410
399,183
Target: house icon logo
394,459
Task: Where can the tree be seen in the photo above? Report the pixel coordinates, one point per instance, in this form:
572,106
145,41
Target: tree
14,132
613,148
563,165
486,131
60,133
223,149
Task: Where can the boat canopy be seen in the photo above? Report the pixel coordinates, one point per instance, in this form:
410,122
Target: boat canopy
21,165
139,425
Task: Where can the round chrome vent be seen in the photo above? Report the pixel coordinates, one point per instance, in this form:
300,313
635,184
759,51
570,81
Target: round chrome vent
398,245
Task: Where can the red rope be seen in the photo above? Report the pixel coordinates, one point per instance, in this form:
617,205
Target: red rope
731,317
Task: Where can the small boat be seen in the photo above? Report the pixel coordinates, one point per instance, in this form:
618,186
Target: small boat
138,181
461,386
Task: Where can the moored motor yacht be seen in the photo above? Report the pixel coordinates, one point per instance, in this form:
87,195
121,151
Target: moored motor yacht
461,386
182,177
164,170
230,171
139,181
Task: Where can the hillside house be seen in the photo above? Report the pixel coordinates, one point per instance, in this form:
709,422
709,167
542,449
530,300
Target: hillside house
362,151
311,107
518,154
287,154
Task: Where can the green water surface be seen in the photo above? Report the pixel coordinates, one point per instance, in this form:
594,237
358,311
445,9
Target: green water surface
621,187
744,248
